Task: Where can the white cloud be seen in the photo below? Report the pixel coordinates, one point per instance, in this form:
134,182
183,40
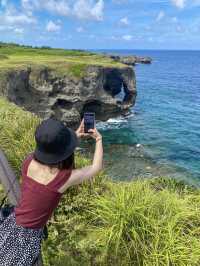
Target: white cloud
80,29
13,29
59,7
5,28
82,9
19,30
124,21
87,9
52,27
11,16
27,4
18,19
160,16
127,37
179,3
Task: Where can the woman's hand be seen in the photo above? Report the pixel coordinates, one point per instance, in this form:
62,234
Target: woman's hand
80,131
94,133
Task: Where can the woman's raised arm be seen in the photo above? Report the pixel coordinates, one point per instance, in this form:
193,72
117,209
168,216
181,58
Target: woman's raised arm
85,173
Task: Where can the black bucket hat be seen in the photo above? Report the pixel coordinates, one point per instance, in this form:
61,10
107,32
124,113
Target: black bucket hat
55,142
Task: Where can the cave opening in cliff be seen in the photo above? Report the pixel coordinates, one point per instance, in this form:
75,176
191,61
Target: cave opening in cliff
62,104
121,95
93,106
116,86
113,82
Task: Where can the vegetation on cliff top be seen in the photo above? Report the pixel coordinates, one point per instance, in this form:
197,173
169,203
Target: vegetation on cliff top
102,222
64,62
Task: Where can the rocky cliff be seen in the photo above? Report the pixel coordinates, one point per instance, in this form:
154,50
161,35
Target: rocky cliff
131,60
47,94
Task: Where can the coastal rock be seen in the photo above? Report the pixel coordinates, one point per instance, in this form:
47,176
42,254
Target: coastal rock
131,60
143,60
49,95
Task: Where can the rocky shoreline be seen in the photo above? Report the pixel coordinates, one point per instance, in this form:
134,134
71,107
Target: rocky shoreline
131,60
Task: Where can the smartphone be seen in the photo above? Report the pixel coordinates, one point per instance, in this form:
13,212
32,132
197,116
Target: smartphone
89,121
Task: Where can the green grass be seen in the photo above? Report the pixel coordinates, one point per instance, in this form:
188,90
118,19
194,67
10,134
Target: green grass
2,57
138,224
151,222
64,62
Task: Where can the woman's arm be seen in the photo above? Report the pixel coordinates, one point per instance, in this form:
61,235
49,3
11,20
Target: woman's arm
85,173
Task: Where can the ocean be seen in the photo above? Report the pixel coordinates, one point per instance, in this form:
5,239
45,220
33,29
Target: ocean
161,136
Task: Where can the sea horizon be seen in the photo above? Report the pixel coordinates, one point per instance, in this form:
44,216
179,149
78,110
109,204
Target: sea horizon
146,49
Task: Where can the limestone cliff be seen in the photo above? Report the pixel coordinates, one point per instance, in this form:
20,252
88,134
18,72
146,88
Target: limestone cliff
47,94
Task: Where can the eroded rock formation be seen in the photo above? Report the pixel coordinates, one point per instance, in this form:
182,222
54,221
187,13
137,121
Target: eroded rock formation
48,95
132,59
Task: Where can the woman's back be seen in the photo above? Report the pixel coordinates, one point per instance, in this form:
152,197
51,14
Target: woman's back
39,197
41,173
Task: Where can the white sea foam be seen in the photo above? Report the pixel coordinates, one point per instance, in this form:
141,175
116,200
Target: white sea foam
114,122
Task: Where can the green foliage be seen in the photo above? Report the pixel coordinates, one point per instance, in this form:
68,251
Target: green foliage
15,49
2,57
63,62
151,222
139,225
78,70
16,133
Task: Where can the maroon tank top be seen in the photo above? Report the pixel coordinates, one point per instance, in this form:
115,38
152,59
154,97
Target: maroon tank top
38,201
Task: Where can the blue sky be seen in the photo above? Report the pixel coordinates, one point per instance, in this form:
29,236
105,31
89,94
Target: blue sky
102,24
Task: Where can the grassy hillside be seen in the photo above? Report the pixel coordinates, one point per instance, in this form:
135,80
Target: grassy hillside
65,62
147,222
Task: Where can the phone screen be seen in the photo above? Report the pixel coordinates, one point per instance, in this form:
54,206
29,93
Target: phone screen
89,121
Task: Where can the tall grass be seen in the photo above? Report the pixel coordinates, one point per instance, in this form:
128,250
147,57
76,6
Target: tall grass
152,222
17,129
142,226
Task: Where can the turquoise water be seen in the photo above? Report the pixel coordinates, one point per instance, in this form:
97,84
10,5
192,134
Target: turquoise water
161,137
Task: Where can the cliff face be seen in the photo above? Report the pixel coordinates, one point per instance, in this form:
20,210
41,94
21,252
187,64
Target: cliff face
46,94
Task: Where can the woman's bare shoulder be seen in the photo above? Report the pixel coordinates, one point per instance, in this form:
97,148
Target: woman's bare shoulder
41,173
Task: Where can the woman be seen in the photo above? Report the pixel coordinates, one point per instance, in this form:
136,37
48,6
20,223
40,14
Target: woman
47,173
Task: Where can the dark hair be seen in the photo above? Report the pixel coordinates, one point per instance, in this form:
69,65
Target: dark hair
65,164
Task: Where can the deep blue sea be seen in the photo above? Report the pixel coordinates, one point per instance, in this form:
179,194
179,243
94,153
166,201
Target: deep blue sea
161,137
